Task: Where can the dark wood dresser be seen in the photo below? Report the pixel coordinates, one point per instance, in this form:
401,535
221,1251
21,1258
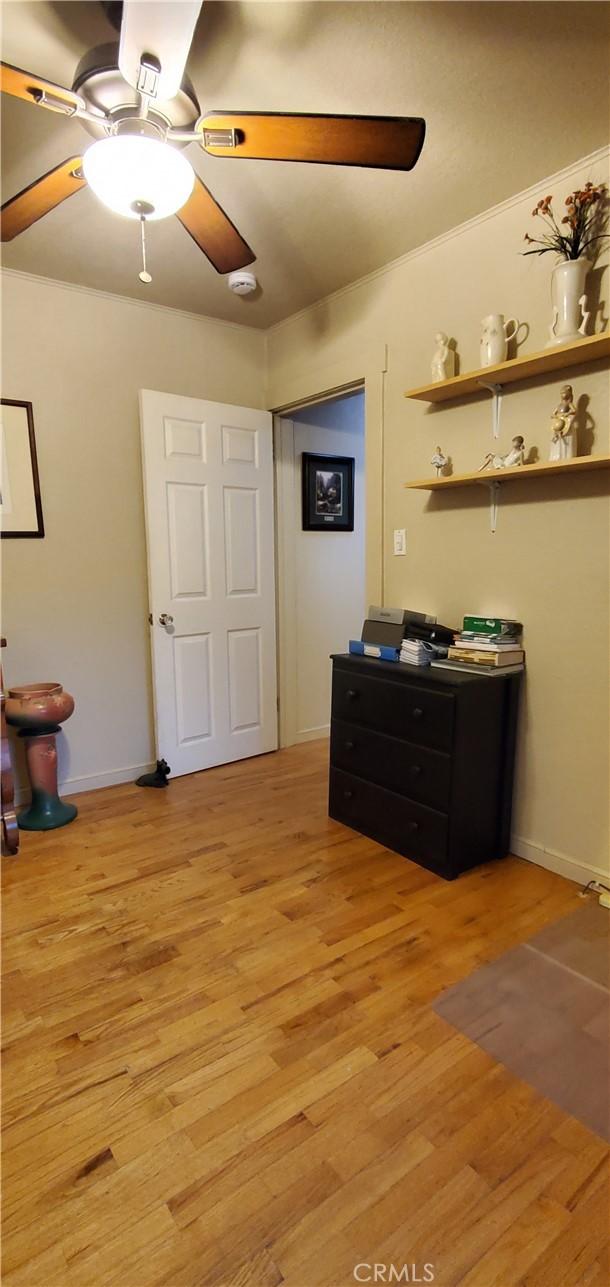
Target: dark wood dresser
421,760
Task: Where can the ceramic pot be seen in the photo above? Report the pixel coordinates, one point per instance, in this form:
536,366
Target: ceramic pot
569,301
38,708
495,336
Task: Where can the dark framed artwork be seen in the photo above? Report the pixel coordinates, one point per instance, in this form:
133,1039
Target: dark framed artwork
20,503
328,493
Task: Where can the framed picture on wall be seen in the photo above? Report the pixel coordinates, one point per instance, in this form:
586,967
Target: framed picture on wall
20,503
328,493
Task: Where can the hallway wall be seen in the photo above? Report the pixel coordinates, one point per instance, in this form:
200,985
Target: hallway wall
327,591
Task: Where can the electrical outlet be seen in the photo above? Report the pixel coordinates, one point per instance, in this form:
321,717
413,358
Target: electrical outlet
400,540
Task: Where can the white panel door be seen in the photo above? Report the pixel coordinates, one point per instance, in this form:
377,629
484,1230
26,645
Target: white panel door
208,489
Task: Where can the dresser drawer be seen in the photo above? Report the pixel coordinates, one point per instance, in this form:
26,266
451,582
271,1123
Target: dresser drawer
411,770
402,709
410,828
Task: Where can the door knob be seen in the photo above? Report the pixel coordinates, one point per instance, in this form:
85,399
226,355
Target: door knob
166,619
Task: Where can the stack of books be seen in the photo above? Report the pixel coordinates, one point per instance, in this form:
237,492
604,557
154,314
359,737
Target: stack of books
486,645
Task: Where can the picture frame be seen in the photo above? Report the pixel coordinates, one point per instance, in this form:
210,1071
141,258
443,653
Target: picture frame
20,500
327,493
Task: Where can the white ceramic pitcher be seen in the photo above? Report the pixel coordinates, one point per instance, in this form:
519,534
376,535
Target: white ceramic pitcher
495,337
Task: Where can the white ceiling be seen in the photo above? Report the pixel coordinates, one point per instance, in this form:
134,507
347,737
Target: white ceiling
510,92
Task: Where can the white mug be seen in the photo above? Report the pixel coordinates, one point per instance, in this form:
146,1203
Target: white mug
495,337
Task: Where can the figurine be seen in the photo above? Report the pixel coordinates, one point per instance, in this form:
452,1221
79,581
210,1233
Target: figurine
443,362
439,461
514,457
563,427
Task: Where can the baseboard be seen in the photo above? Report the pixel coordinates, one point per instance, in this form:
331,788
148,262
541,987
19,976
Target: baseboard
313,734
92,782
562,864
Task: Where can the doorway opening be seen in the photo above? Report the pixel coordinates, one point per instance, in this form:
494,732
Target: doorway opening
320,573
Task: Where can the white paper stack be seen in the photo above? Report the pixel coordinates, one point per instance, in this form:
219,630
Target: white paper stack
417,652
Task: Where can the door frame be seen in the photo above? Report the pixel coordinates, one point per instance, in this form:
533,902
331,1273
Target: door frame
310,387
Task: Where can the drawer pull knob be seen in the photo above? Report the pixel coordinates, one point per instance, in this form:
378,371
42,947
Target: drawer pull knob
416,770
352,693
417,712
414,826
349,746
348,794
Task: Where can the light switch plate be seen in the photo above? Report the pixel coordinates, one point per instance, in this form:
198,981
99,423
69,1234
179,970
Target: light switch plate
400,540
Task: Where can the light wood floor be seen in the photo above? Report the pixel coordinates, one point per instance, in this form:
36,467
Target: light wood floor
221,1064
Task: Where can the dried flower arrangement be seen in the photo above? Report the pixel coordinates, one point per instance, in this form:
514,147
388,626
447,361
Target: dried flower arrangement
585,216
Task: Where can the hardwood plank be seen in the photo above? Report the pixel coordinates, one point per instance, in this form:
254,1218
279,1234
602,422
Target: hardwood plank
222,1065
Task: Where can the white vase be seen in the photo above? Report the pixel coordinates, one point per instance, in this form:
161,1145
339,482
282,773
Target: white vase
569,301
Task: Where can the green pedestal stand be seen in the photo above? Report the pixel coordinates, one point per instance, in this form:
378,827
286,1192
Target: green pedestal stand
46,811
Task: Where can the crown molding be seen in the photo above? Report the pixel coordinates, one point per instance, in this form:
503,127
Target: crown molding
560,176
127,299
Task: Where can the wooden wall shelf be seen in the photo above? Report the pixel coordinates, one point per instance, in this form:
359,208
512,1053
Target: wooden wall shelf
525,367
542,469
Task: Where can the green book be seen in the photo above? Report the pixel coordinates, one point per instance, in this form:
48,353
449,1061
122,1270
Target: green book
492,626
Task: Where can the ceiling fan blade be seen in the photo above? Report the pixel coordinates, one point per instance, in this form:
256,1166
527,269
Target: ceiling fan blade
381,142
159,33
213,231
21,211
35,89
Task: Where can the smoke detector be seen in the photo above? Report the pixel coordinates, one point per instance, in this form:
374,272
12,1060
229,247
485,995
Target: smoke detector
242,283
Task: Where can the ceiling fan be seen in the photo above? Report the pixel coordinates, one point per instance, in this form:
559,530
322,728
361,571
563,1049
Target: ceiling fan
142,110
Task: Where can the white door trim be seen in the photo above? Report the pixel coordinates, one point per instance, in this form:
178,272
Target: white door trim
286,599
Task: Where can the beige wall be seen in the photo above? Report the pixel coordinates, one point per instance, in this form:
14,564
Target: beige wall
75,604
548,563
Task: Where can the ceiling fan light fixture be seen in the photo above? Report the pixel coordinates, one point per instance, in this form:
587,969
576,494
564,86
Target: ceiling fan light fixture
128,172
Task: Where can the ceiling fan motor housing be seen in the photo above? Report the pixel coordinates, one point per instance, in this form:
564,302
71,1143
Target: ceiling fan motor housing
99,81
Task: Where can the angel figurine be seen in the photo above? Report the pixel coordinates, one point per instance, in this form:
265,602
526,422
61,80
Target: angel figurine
439,461
443,362
563,426
514,457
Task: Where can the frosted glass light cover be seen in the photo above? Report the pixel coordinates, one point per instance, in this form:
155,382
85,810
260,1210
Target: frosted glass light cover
127,168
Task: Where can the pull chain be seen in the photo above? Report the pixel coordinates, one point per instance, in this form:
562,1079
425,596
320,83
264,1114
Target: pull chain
144,275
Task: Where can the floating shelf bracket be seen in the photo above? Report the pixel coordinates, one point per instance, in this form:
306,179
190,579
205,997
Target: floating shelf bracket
494,485
496,393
